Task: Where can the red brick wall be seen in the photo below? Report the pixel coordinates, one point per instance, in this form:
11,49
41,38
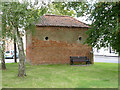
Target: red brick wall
9,45
39,51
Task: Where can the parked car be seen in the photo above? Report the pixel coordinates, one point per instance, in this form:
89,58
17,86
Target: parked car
10,54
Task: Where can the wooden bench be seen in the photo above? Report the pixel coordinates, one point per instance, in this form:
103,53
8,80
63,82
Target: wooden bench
79,59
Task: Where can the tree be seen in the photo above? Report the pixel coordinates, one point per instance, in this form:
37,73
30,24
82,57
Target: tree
15,50
2,48
105,27
3,66
19,15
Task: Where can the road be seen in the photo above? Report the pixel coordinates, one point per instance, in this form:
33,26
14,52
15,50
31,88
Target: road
107,59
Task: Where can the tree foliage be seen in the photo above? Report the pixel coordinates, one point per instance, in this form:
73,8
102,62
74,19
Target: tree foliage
69,8
105,28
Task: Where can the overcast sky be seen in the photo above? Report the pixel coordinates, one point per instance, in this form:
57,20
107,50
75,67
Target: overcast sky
83,19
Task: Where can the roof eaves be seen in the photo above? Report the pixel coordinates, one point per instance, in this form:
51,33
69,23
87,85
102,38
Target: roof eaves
38,25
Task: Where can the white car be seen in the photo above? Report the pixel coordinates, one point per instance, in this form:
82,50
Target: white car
10,54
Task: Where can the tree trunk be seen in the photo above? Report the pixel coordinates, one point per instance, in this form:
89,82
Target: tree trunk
15,58
21,71
3,66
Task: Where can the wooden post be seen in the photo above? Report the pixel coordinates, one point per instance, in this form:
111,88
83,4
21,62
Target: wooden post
91,57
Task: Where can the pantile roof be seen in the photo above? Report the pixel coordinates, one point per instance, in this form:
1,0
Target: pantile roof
58,20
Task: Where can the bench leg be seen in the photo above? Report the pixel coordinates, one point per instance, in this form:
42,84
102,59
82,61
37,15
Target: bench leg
71,63
88,62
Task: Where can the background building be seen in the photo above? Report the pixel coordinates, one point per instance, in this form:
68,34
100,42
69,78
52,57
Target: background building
108,51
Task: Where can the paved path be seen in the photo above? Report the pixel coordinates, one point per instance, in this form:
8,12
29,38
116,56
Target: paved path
107,59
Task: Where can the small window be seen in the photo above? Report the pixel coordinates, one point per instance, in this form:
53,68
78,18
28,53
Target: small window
46,38
80,38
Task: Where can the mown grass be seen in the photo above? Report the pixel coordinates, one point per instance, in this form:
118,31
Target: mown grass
99,75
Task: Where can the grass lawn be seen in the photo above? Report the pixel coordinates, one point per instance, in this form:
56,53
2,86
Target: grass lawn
99,75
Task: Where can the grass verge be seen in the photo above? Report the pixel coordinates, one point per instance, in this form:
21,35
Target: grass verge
98,75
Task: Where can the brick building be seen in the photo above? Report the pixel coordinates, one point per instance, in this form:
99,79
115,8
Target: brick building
56,38
9,45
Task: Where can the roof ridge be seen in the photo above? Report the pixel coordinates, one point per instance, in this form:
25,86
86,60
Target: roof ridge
66,16
57,15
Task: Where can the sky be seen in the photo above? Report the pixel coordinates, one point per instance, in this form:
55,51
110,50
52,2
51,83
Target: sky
83,19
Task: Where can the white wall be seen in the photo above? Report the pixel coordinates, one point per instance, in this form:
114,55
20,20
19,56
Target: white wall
104,51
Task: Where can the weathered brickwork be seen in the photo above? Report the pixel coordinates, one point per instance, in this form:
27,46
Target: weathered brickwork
61,44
